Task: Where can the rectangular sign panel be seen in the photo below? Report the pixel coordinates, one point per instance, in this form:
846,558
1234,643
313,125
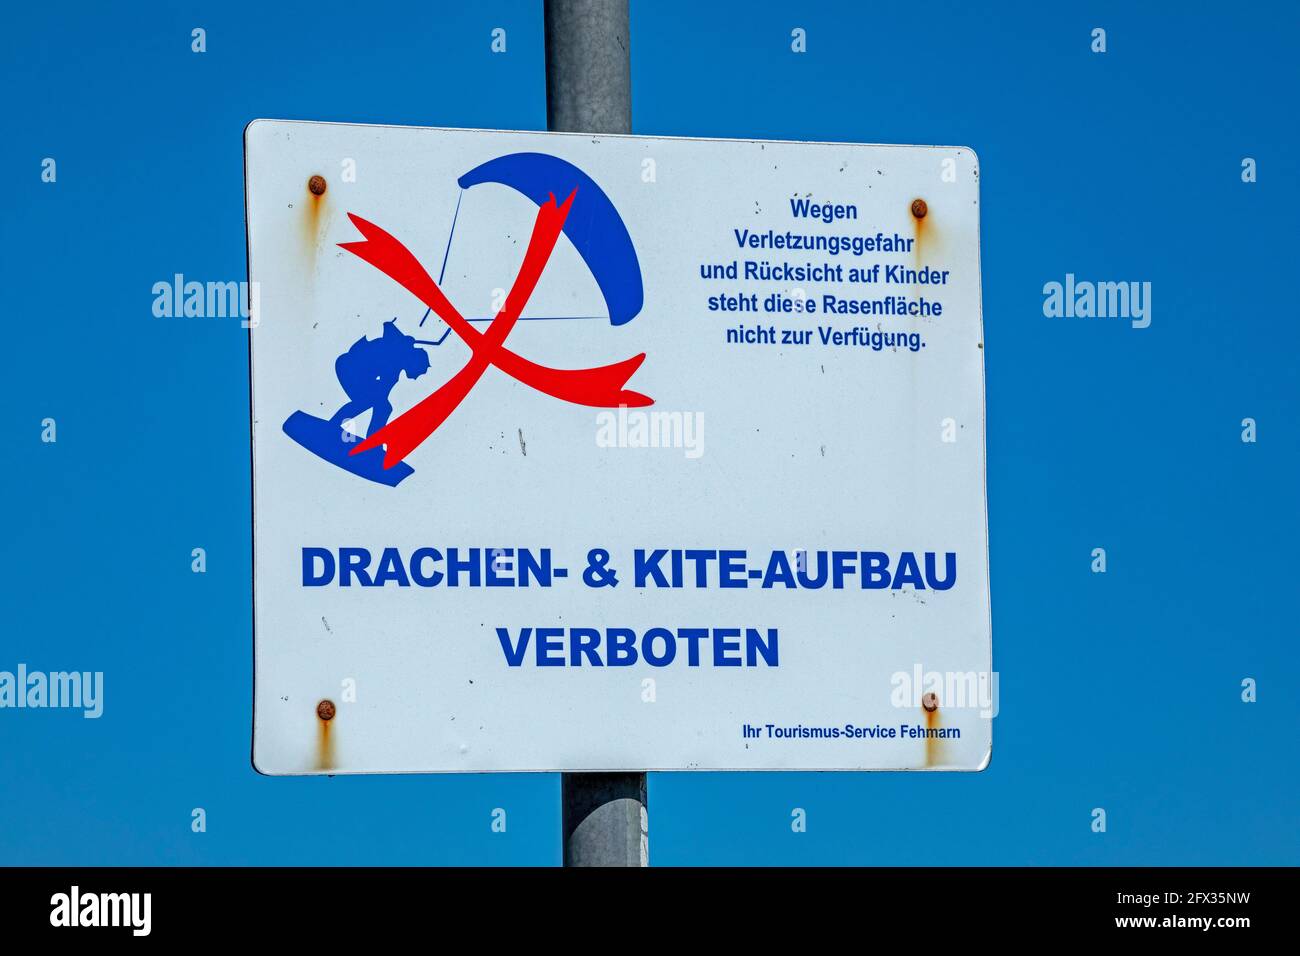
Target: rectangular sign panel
586,452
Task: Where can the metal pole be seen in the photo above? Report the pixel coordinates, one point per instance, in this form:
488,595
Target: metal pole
588,67
605,819
589,90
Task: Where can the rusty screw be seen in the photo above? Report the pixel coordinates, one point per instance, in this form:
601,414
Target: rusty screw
919,208
931,700
316,186
325,710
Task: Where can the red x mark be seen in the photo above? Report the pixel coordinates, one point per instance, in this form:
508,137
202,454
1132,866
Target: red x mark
601,387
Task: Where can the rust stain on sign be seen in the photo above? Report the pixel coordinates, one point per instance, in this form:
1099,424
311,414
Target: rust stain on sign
325,712
933,745
314,209
920,210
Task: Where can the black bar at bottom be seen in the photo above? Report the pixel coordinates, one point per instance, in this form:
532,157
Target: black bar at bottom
330,905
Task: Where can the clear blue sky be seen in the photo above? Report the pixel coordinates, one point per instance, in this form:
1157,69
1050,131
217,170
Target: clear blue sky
1119,690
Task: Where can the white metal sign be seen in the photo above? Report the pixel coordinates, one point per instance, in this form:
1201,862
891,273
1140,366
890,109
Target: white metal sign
606,452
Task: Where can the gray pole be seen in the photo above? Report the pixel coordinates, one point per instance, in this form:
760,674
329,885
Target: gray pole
588,67
589,90
605,820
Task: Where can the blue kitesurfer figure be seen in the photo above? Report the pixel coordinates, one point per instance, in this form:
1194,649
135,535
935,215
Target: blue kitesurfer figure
369,370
